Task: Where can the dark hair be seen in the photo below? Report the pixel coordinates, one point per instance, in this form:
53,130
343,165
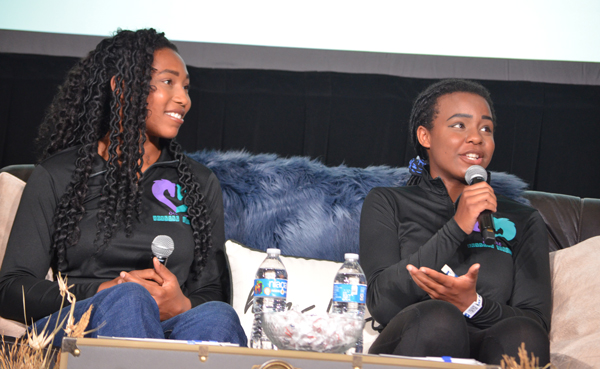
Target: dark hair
424,109
87,109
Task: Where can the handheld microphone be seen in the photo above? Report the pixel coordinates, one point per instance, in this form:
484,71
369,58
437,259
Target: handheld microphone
162,248
476,174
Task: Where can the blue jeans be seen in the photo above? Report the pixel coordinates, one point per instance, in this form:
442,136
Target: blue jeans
128,310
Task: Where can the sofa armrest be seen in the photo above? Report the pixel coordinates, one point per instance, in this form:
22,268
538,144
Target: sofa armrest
21,171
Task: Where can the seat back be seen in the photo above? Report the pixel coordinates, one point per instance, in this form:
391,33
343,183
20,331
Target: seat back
569,219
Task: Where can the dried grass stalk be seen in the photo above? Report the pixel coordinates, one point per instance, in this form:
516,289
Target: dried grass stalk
31,351
525,362
23,356
79,328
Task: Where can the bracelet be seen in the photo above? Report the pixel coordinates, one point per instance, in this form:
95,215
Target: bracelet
474,308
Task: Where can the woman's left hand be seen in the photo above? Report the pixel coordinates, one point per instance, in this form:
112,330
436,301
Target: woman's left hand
459,291
168,296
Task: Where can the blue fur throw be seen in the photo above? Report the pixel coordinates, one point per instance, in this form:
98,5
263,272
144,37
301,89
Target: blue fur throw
300,205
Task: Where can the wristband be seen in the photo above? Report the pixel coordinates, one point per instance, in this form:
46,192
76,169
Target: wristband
448,271
474,308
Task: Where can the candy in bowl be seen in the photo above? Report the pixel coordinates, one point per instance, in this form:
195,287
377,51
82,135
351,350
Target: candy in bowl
293,330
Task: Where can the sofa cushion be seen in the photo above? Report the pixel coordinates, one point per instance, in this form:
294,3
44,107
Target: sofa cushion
574,334
310,282
11,189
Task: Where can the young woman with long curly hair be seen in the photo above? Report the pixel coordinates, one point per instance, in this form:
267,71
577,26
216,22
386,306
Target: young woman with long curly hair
111,178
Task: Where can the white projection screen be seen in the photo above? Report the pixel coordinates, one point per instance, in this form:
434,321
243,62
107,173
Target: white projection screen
547,41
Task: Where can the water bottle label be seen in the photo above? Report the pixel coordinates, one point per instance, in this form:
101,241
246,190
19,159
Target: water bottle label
349,293
270,288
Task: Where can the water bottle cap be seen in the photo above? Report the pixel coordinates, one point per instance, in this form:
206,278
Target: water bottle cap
350,256
273,251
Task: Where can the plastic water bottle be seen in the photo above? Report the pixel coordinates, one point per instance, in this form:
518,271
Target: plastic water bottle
350,292
270,291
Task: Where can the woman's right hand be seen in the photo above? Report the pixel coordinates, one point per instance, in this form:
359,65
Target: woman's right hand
149,275
474,199
164,287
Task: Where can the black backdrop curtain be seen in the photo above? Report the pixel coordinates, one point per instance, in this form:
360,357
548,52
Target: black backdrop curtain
547,134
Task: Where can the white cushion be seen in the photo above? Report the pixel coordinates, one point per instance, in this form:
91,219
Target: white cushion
11,189
575,334
310,282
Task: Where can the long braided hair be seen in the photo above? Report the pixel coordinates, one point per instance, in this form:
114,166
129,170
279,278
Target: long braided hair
85,110
425,110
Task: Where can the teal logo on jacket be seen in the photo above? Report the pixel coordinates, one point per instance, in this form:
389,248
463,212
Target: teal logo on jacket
504,228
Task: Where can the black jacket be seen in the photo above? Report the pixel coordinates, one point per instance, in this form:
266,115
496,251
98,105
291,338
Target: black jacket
415,225
28,255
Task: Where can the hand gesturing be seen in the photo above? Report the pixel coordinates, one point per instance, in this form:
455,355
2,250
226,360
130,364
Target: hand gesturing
459,291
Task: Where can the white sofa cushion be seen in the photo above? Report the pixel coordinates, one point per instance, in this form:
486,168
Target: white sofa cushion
575,328
11,189
310,282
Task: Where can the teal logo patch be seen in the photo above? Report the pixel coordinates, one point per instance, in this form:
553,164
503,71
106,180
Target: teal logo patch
505,228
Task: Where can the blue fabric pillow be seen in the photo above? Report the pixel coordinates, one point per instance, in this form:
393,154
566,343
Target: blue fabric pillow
302,206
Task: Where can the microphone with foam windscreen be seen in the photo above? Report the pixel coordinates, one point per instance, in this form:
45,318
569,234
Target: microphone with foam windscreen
162,248
476,174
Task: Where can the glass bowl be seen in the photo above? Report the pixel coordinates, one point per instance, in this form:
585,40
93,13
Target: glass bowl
292,330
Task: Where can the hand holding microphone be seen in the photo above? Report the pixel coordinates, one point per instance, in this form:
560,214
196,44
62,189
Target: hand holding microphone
477,203
476,174
162,247
168,295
